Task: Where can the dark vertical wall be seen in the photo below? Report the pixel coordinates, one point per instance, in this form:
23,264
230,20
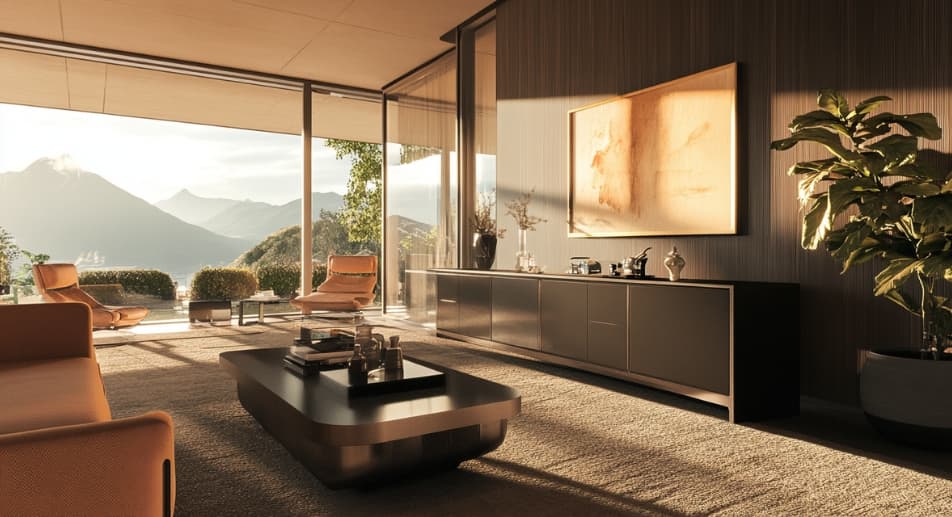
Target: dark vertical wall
555,55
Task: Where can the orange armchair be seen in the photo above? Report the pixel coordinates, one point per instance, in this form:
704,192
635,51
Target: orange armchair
61,452
59,283
349,285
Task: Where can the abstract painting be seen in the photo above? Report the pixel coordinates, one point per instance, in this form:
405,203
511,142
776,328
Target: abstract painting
658,161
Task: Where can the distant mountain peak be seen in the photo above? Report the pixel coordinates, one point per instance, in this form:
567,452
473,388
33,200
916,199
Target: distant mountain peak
63,164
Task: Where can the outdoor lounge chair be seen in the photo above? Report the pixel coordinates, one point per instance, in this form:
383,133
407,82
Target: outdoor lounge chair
59,283
349,286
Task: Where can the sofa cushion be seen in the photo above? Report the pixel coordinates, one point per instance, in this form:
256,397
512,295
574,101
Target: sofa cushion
48,393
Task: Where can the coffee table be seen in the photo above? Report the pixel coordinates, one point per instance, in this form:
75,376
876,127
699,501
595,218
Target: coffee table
352,441
261,303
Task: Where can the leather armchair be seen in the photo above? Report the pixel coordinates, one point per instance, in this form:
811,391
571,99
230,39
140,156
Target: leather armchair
59,283
349,285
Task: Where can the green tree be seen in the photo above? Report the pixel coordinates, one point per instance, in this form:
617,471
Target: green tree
361,213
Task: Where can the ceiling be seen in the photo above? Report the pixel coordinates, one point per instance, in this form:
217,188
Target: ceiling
360,43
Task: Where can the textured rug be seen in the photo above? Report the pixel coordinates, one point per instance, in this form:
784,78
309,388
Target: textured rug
583,445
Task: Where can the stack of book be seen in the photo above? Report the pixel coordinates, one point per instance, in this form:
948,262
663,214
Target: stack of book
324,351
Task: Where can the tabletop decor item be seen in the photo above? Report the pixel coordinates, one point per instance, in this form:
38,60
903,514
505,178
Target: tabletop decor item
486,234
674,263
899,201
519,210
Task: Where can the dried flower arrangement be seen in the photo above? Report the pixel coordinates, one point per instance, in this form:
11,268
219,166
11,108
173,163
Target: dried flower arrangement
483,221
519,210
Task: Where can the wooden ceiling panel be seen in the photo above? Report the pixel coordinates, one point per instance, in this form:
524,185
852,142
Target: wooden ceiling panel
33,79
87,85
424,19
159,95
321,9
361,57
220,32
37,18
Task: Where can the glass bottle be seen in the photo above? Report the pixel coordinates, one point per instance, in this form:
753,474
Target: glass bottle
522,254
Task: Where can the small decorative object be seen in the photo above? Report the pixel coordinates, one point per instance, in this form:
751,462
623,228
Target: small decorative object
305,334
394,356
635,267
674,263
486,234
357,366
519,210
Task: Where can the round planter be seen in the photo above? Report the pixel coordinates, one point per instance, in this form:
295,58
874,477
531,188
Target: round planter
484,250
906,398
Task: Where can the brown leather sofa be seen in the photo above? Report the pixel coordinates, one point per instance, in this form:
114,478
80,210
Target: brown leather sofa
349,285
61,453
59,283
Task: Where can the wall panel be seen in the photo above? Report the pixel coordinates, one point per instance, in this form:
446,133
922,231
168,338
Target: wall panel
555,55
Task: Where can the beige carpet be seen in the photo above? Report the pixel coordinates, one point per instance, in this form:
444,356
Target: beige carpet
583,445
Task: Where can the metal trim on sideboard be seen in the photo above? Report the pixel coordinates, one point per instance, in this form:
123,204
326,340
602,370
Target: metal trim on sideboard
689,391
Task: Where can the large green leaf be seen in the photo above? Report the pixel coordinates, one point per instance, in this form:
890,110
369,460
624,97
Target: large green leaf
914,188
808,183
936,242
848,191
933,213
894,275
818,119
936,265
896,149
867,106
904,300
825,138
922,125
833,102
919,170
816,222
812,166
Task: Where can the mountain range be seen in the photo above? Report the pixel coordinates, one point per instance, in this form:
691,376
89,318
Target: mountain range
77,216
253,220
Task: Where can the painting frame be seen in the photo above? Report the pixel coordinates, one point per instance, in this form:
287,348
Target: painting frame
717,174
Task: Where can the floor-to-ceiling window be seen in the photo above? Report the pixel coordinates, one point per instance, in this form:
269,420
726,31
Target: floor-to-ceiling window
484,126
421,170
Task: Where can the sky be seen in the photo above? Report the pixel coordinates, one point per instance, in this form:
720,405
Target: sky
155,159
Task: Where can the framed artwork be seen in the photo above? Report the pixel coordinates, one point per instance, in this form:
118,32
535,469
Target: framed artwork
658,161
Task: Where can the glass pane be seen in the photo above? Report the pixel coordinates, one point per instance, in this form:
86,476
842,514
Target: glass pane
346,179
422,214
485,123
98,179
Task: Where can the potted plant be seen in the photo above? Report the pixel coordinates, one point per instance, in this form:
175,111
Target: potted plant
8,254
898,208
486,234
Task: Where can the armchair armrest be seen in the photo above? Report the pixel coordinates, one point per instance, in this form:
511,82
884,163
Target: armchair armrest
118,467
46,331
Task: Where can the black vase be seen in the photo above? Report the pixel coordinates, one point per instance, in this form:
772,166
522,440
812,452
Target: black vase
484,250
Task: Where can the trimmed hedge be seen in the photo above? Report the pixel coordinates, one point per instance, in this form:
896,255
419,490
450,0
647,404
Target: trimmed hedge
223,283
150,282
284,279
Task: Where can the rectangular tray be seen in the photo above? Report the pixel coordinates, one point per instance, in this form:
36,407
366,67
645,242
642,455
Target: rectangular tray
413,377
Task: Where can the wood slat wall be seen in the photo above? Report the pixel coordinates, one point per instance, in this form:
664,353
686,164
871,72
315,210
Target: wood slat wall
556,55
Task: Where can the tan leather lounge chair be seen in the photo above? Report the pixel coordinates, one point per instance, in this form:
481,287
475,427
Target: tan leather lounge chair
59,283
349,285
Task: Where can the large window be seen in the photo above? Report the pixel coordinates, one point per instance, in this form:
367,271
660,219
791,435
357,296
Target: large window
484,141
422,187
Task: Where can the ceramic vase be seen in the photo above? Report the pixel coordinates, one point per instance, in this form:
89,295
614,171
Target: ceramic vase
484,250
674,263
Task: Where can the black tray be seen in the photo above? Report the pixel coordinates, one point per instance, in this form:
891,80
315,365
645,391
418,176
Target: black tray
413,377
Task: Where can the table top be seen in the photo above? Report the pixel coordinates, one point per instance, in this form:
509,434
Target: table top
328,411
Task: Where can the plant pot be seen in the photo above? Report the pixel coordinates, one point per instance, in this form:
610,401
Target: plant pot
4,289
484,250
906,398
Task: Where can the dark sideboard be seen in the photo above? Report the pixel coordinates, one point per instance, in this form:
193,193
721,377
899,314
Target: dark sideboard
735,344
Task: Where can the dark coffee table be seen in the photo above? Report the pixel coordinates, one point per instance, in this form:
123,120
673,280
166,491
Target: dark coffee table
352,441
